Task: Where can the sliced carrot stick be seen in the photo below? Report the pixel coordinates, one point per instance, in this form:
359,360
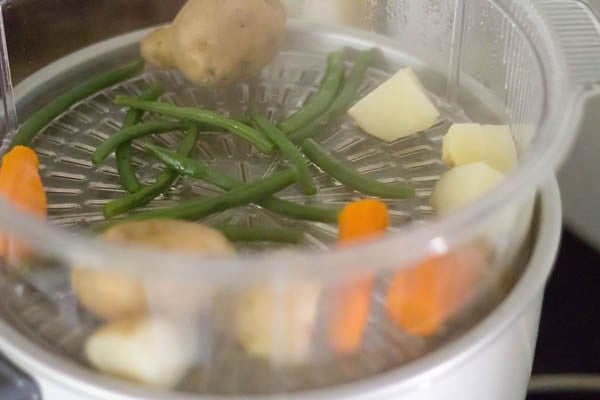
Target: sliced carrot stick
350,302
421,299
21,185
361,220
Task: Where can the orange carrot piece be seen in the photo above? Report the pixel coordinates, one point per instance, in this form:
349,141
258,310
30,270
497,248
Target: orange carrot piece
421,299
362,219
21,185
350,303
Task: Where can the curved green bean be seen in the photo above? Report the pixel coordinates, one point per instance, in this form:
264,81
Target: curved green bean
324,160
197,209
289,150
162,183
301,211
342,102
134,132
334,77
193,168
123,153
202,116
46,114
198,169
261,234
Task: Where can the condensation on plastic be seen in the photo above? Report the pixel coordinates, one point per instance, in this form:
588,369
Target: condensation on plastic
262,324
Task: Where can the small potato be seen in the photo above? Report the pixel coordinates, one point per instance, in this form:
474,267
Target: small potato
217,42
111,295
470,143
397,108
156,352
278,323
156,48
462,185
108,295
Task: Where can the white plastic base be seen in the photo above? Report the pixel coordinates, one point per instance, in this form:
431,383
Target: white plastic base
491,362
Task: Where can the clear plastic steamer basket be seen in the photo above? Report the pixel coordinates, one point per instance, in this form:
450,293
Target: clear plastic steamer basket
278,319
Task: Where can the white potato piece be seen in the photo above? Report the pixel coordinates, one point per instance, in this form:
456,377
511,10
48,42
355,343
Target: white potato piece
217,42
112,295
469,143
398,108
462,185
155,352
277,323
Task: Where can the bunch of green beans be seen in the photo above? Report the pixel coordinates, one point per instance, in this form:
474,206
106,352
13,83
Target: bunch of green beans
292,137
200,170
162,183
123,153
203,116
342,102
197,209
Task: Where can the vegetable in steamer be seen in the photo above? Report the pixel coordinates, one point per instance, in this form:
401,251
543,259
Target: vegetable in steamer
412,310
218,42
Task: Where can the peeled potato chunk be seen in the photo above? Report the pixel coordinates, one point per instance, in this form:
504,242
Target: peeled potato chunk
277,323
112,295
462,185
398,108
469,143
155,352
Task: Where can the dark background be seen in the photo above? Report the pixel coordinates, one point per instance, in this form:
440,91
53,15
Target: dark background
569,339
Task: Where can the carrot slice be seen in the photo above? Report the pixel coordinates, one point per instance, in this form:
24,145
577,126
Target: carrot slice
363,219
20,184
350,303
421,299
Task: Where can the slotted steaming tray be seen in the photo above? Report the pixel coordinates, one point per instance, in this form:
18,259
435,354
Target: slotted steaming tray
44,309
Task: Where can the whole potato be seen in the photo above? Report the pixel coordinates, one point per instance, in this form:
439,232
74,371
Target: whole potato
217,42
156,48
111,295
108,295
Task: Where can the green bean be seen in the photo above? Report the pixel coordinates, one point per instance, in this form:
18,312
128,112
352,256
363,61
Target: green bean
202,116
289,150
123,153
46,114
197,209
134,132
334,77
189,167
342,102
300,211
162,183
324,160
261,234
198,169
